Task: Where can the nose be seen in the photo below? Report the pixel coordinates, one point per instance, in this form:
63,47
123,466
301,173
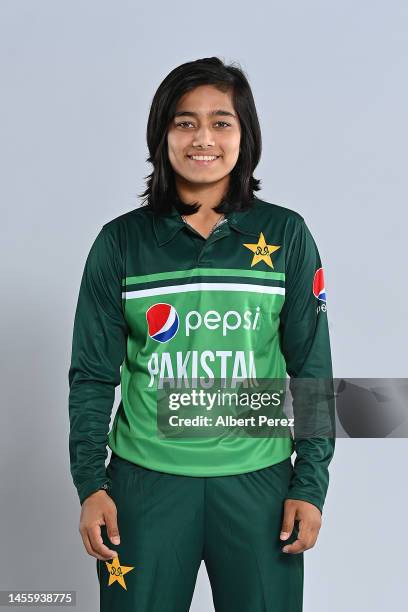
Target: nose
203,137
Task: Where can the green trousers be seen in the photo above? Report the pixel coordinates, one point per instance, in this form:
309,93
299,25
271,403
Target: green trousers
168,524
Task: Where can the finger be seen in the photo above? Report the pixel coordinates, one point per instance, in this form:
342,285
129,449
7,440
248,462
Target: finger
91,551
288,521
112,530
307,532
303,542
96,541
296,547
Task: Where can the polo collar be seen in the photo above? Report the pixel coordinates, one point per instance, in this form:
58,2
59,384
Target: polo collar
167,226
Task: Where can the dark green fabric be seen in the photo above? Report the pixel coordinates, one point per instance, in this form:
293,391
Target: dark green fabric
168,524
99,345
305,344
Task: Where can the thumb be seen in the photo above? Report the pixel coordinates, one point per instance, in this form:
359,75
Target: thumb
112,527
288,521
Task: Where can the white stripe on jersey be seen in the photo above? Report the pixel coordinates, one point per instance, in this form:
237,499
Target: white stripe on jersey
141,293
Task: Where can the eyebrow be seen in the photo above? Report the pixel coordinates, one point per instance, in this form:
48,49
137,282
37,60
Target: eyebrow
218,112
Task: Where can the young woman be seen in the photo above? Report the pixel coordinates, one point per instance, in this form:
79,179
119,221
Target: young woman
204,282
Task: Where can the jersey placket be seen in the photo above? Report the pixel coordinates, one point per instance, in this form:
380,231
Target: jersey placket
204,258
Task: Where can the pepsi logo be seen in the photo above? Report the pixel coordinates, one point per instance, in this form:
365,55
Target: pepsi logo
162,322
319,290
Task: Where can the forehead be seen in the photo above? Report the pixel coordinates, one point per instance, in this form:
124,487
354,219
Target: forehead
204,99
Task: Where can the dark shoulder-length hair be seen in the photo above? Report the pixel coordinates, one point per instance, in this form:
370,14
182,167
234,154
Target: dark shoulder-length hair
161,193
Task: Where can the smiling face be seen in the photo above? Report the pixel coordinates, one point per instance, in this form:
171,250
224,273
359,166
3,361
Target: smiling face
205,124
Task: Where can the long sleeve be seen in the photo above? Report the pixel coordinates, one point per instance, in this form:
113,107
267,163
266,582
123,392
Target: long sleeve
98,349
305,344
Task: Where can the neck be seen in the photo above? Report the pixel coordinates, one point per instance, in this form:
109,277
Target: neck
208,196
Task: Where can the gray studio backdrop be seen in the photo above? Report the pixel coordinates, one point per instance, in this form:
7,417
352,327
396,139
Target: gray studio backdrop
77,78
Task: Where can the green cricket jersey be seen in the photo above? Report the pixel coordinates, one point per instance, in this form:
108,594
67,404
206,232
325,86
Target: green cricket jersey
159,302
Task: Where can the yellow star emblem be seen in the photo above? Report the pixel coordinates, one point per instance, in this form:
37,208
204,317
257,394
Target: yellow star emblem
117,571
262,251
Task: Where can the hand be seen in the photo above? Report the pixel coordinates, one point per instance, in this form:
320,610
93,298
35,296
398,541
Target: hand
310,520
99,509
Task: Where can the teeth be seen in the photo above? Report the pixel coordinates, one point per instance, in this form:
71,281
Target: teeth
203,157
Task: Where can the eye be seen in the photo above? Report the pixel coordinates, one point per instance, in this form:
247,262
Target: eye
185,123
